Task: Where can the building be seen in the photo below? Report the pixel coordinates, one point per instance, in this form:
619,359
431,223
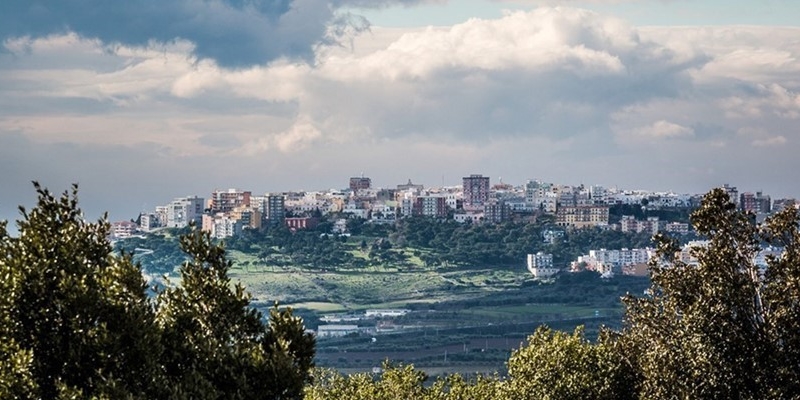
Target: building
582,216
300,223
758,203
360,183
625,261
476,190
681,228
226,201
123,229
221,225
184,210
249,217
781,204
336,330
430,206
732,192
651,225
275,212
148,222
540,265
496,212
410,186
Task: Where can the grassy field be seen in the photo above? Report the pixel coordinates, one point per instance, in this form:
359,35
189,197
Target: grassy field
476,316
369,287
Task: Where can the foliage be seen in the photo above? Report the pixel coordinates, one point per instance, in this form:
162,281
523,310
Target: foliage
720,329
78,316
159,251
400,382
75,321
557,365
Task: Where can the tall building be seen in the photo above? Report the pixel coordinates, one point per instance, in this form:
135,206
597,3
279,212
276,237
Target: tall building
275,212
181,211
359,183
758,203
249,217
476,190
430,206
224,201
496,211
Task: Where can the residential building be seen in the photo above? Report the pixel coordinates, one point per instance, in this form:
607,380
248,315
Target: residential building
224,201
496,212
781,204
582,216
123,229
184,210
732,192
221,225
249,217
681,228
540,265
758,203
300,223
148,222
476,190
625,261
651,225
360,183
430,206
275,212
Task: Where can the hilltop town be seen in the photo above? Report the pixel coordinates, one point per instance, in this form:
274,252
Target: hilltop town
227,213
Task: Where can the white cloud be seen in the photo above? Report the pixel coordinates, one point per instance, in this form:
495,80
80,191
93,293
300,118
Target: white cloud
554,86
772,141
665,130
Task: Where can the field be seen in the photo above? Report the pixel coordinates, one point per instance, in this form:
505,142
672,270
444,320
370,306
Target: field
459,319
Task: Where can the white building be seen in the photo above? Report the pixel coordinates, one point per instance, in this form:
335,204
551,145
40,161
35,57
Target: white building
181,211
540,265
336,330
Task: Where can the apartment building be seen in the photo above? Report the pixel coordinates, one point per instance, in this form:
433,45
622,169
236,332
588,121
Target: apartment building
227,200
476,190
582,216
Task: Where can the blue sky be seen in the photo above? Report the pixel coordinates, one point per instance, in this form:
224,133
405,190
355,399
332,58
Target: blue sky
144,100
663,13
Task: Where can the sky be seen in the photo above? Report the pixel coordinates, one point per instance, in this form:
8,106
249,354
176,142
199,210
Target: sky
143,101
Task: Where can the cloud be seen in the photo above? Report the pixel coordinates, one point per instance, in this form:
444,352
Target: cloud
772,141
513,97
232,32
665,130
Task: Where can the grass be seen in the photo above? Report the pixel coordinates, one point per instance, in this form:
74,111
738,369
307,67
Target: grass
366,287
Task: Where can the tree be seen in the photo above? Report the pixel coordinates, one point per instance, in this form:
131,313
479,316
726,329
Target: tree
557,365
719,328
74,319
216,346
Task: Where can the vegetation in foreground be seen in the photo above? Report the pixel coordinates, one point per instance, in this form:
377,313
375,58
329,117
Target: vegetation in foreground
75,322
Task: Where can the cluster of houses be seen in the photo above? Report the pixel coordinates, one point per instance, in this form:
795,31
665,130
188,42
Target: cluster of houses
630,261
227,212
